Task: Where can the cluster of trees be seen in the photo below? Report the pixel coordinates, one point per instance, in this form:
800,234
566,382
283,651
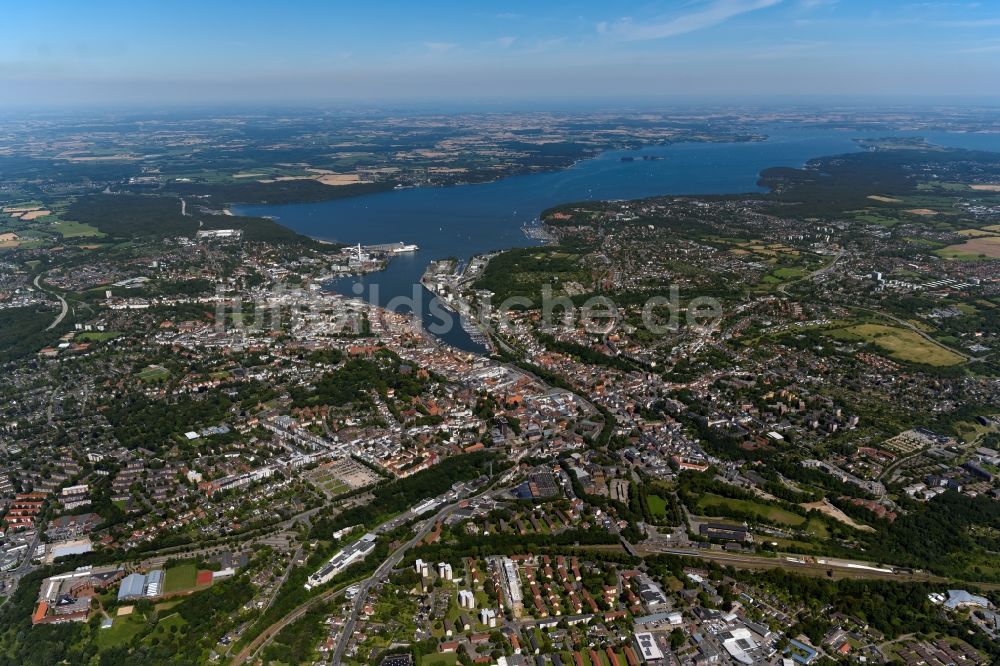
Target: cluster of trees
350,383
139,421
891,608
639,502
131,216
206,615
475,545
282,192
23,330
296,643
126,216
589,355
522,272
692,486
936,535
24,645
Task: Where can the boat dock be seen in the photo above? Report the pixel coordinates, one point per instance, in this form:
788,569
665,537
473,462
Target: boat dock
392,248
538,231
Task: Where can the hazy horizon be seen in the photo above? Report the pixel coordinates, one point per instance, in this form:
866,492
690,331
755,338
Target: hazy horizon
698,51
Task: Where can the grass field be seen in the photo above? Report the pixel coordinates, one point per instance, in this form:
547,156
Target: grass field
180,578
817,528
657,506
708,501
899,343
174,619
790,273
335,487
70,229
447,659
122,631
154,373
96,336
969,431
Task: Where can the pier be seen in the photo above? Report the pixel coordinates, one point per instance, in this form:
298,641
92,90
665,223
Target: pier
392,248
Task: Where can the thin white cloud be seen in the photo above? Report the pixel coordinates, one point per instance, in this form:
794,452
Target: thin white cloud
542,45
504,42
988,48
440,47
712,14
785,50
815,4
972,23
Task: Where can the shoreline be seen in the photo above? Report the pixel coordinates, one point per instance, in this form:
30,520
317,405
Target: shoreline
233,208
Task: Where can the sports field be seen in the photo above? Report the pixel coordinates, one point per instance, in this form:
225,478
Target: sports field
154,373
180,578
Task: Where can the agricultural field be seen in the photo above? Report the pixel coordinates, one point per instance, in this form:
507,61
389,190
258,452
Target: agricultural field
975,249
899,343
873,216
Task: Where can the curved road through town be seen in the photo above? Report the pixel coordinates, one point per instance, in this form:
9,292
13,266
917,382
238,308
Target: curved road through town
902,322
65,306
265,636
382,573
376,578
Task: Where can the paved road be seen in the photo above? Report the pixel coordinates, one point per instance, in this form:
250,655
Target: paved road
365,586
902,322
822,271
265,636
13,577
65,307
154,558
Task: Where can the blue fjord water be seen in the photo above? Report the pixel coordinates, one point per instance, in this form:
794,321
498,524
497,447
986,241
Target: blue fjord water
465,220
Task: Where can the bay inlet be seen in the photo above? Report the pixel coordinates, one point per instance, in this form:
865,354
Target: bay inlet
465,220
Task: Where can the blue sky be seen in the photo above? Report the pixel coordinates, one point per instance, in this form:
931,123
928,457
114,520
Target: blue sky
177,51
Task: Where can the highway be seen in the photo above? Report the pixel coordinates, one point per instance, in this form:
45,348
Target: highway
65,306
